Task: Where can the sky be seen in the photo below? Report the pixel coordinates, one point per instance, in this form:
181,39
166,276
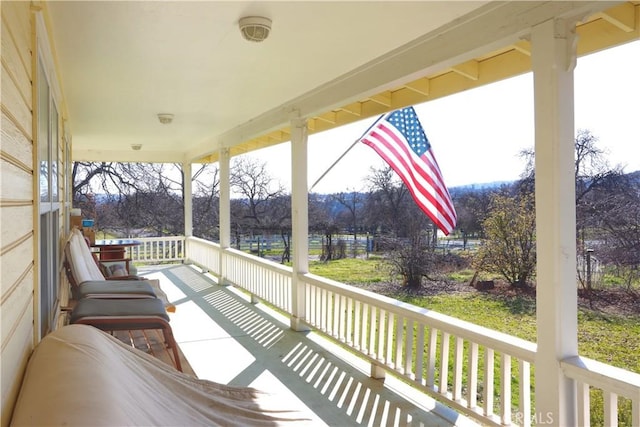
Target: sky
477,135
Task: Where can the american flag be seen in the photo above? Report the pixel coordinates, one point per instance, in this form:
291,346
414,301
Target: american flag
400,140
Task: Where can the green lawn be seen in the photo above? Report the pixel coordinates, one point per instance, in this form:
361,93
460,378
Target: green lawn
353,271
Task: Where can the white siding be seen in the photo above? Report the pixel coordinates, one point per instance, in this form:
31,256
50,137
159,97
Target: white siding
18,210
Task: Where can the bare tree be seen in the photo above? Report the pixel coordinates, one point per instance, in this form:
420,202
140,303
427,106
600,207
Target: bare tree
472,207
352,202
406,234
592,168
592,173
413,258
259,207
614,227
110,177
137,196
251,180
323,220
386,201
206,202
91,178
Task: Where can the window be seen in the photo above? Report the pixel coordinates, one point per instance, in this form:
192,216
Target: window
49,207
43,133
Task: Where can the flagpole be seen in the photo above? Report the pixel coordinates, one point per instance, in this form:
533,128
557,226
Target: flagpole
344,154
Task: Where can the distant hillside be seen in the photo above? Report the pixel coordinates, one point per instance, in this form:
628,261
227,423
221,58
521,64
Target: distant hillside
481,186
634,176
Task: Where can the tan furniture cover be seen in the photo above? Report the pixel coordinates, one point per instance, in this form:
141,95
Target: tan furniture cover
80,376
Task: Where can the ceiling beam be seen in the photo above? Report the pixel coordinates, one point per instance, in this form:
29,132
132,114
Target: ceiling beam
329,117
355,108
523,46
420,86
467,69
621,16
383,98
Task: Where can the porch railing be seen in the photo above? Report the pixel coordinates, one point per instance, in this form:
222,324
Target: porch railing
263,279
158,249
475,370
462,364
591,377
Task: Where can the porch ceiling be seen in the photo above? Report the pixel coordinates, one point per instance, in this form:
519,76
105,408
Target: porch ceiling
122,63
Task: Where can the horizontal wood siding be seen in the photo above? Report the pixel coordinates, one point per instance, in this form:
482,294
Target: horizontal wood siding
16,145
16,201
14,361
15,220
13,266
18,66
14,104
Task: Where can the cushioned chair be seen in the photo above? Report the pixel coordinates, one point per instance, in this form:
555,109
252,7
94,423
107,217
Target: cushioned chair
126,315
122,305
87,281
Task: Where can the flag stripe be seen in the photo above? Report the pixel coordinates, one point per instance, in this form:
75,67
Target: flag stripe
422,192
425,191
431,174
400,140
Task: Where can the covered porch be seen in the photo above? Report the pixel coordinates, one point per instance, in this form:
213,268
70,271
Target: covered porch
113,72
239,333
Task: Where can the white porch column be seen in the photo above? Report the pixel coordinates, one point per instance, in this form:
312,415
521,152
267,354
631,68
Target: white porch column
299,220
553,60
188,199
225,209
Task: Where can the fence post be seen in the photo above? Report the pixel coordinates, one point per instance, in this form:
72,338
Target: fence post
589,252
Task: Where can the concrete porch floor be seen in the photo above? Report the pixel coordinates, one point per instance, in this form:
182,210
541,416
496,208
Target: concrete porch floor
228,340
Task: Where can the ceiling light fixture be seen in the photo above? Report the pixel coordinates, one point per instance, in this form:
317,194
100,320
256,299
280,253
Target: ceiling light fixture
165,118
136,147
255,28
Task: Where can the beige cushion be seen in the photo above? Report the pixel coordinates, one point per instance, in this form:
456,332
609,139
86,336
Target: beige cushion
83,266
118,270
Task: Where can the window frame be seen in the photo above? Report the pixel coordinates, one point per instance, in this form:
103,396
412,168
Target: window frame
47,200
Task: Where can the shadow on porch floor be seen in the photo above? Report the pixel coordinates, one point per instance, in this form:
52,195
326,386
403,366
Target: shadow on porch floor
227,339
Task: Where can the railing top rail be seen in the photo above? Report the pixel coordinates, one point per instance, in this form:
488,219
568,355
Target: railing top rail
201,240
160,238
501,342
601,375
265,263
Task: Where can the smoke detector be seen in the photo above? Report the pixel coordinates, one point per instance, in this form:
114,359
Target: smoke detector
255,28
165,119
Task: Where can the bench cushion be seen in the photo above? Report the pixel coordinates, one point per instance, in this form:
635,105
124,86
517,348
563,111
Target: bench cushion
134,308
119,288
